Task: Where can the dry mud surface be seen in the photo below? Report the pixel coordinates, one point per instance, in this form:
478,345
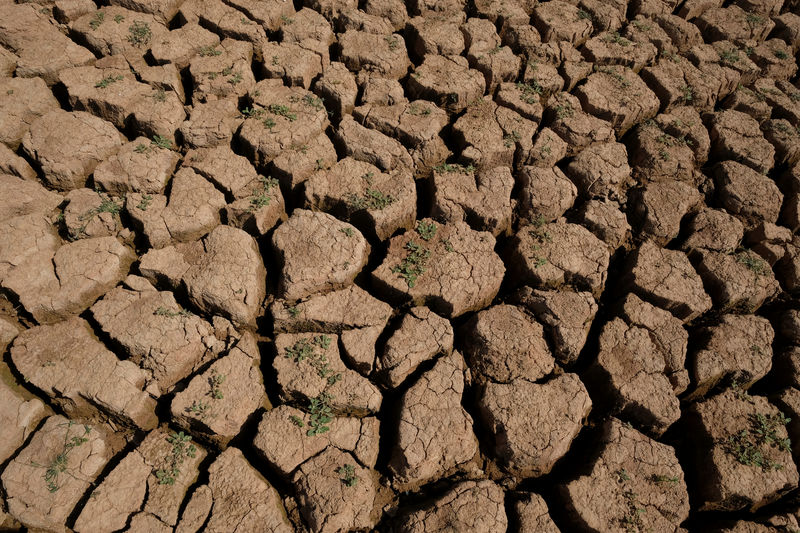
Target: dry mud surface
399,266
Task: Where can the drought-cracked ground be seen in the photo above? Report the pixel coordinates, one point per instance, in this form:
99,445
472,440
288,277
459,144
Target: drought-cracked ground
402,266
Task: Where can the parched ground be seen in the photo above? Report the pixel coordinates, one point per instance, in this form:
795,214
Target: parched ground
399,266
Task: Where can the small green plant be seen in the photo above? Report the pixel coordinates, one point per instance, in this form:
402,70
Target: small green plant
730,56
539,261
118,19
448,246
108,80
261,196
347,231
142,149
392,41
252,112
511,139
163,311
160,95
283,111
215,381
622,475
616,38
748,445
619,78
139,33
687,93
286,19
97,20
664,155
199,409
209,51
236,79
60,464
564,111
370,199
426,230
294,311
415,109
307,350
312,101
296,420
269,123
276,61
495,50
660,478
632,521
754,20
320,414
531,91
780,54
348,473
182,448
752,261
584,15
161,142
453,167
413,265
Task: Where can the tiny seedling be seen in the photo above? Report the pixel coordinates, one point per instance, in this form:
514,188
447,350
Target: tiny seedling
622,475
780,54
564,111
286,19
415,109
160,95
97,20
320,414
236,79
199,409
753,262
413,265
161,142
370,199
453,167
283,111
182,448
139,33
347,231
687,93
392,41
531,91
660,478
215,382
306,350
261,196
584,15
118,19
348,475
296,420
616,38
426,230
163,311
448,246
108,80
209,51
313,101
142,149
60,464
511,139
730,56
632,521
294,311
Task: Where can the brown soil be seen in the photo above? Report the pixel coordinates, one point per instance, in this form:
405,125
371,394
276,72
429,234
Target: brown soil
399,266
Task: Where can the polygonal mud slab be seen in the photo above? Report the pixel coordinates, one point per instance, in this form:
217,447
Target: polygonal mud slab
20,412
667,334
22,197
317,253
217,402
531,513
224,273
422,334
54,359
447,81
309,369
631,370
379,203
503,344
737,350
476,506
67,161
434,435
750,462
43,501
165,340
152,479
546,194
634,481
335,492
736,281
714,229
532,425
667,279
550,255
481,198
356,435
235,496
352,313
451,267
52,287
